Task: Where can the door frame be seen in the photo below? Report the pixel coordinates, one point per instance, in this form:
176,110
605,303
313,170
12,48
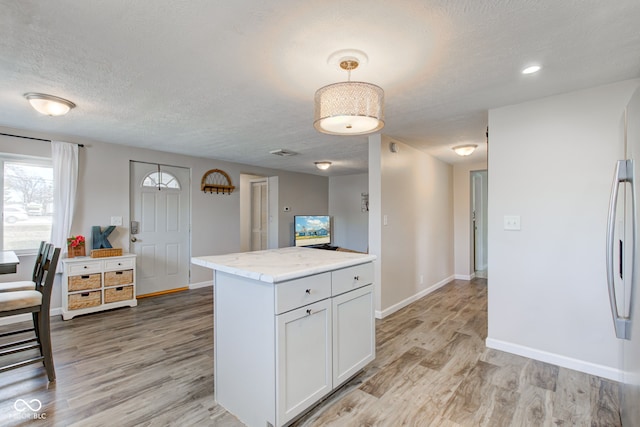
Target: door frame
264,209
189,215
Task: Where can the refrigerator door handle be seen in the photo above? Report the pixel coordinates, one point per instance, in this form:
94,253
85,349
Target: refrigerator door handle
623,173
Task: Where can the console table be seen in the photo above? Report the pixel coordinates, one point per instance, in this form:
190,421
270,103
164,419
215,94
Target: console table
96,284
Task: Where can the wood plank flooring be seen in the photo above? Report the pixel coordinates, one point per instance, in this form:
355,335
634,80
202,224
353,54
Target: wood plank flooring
152,365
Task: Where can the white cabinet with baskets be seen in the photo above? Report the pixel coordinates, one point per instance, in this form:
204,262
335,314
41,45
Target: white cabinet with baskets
96,284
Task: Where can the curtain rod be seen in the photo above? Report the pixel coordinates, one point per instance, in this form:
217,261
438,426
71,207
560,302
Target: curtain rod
35,139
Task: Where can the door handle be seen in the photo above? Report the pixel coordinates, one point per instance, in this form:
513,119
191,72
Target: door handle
623,174
134,239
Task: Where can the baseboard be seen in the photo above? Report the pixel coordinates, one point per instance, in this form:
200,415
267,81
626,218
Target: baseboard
160,293
464,276
556,359
381,314
201,284
26,317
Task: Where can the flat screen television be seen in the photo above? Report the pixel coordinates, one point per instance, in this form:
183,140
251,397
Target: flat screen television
312,230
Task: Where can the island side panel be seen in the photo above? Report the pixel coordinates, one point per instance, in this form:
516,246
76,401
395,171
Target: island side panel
244,349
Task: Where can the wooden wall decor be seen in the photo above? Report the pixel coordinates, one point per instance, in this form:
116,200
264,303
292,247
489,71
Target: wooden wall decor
216,180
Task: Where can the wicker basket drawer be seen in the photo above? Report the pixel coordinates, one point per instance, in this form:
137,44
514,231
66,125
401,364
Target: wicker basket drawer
87,281
115,278
84,300
120,293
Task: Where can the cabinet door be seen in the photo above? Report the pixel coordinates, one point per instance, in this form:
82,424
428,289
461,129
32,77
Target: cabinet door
354,336
303,359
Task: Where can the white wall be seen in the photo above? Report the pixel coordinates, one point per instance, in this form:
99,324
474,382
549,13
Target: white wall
551,162
416,244
350,224
463,238
103,191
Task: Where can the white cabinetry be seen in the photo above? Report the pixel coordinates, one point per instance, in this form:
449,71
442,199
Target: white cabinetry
303,366
354,339
96,284
281,347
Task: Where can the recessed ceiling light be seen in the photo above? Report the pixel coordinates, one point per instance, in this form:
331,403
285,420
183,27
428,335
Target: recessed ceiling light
531,69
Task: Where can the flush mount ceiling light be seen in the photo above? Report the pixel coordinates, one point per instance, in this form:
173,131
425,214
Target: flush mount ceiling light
49,105
465,150
349,108
531,69
323,165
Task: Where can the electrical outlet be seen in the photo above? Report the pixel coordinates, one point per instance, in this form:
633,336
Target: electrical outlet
116,220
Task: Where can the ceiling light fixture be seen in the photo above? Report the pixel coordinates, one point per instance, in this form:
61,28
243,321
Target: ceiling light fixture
49,105
323,165
349,108
465,150
531,69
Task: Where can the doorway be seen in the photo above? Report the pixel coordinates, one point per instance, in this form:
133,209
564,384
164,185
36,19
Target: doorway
160,203
479,190
259,211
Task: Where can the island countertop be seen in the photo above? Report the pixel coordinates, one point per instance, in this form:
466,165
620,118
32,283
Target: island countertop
279,265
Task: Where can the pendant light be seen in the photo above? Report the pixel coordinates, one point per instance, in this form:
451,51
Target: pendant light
349,108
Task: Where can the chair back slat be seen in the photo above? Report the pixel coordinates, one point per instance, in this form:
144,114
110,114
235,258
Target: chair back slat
43,261
39,259
45,282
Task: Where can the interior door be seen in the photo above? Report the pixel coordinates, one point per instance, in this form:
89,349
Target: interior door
259,214
479,187
160,226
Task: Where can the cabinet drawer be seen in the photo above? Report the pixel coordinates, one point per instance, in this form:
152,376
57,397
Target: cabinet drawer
350,278
119,264
115,278
85,300
85,267
120,293
303,291
86,281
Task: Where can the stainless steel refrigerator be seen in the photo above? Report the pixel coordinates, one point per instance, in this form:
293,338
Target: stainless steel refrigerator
623,263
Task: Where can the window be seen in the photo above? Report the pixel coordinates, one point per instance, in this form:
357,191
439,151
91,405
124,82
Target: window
161,180
27,202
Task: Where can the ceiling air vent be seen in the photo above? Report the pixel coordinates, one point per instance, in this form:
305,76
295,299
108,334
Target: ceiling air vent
282,152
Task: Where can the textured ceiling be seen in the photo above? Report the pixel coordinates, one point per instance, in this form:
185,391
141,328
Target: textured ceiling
235,80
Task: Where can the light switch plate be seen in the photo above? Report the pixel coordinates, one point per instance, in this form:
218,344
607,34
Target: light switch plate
512,222
116,220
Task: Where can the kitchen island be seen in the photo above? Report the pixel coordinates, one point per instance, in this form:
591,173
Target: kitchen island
290,326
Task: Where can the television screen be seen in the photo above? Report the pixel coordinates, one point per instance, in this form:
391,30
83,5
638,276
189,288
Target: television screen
312,230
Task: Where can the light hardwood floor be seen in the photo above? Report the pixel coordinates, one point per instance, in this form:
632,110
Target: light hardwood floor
153,366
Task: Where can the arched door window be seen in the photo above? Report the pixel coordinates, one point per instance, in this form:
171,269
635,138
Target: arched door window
161,180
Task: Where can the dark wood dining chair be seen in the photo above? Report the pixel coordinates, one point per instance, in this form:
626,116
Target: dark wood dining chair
37,302
27,285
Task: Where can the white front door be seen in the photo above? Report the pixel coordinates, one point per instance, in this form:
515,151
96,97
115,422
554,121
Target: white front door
160,210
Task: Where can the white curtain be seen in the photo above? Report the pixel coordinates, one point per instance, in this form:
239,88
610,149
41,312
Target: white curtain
64,156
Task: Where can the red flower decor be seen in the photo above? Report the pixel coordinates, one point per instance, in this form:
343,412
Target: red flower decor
75,241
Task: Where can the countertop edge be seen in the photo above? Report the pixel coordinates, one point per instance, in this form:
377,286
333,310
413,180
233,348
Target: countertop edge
296,274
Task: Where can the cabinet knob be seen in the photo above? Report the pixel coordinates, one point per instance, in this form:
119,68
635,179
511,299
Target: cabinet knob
85,266
308,291
308,312
119,263
356,278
